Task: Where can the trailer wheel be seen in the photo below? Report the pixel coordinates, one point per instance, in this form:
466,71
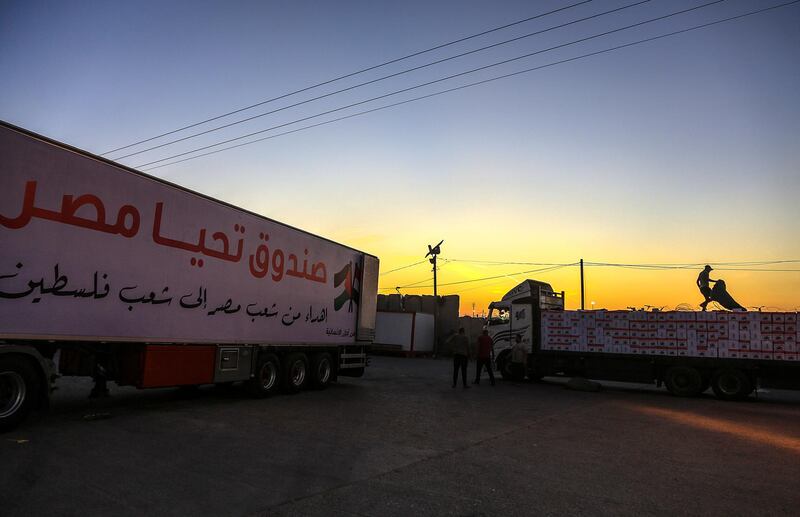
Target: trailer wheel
683,381
321,370
18,391
295,372
504,365
267,376
731,384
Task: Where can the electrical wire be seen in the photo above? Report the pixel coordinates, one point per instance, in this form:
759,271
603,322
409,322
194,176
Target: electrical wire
660,267
555,266
426,279
449,90
658,264
403,267
351,74
460,282
396,74
502,263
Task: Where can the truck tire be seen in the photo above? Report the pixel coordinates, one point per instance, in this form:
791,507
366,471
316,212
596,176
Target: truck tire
19,387
504,366
267,378
321,370
731,384
295,372
683,381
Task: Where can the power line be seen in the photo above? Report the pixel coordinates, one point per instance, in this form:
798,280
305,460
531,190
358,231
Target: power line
657,264
442,92
732,266
551,268
403,267
542,270
426,279
351,74
502,263
555,266
389,76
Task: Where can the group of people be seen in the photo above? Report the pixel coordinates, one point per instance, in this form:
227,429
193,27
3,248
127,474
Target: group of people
460,347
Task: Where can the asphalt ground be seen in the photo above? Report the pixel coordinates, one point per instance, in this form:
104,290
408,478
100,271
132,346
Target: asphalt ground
400,441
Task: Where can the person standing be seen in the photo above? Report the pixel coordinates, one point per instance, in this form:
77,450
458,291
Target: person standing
460,348
702,284
485,345
519,356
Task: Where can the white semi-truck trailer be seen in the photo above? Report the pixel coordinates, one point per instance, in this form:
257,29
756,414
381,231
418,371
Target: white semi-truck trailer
111,273
731,352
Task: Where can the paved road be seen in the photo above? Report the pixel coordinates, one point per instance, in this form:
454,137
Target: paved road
401,442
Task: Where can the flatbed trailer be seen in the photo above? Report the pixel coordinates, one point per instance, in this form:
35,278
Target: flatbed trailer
732,352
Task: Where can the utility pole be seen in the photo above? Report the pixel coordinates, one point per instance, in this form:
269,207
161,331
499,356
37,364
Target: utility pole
433,252
582,292
433,261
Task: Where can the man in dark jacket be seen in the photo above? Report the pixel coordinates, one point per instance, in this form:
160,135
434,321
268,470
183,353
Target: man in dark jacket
485,345
460,347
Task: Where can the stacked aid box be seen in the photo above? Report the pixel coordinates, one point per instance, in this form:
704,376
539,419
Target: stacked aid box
743,335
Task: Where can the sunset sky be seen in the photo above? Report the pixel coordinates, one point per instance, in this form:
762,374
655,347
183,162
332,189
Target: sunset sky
681,150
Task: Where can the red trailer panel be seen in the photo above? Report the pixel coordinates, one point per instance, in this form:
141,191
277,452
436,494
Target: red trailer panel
177,365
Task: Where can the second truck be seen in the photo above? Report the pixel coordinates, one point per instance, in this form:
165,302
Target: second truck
731,352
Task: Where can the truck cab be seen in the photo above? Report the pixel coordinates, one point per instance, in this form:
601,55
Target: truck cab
518,313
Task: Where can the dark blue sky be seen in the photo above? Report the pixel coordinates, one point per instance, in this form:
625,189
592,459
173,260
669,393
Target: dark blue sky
696,135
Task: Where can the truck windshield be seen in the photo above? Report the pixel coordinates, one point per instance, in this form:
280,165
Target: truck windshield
498,316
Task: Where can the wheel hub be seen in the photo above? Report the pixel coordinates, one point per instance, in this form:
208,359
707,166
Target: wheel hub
298,373
12,393
324,371
268,376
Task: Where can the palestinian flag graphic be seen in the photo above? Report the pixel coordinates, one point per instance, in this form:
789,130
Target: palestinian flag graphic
349,277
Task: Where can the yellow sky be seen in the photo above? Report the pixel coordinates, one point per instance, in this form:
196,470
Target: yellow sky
608,287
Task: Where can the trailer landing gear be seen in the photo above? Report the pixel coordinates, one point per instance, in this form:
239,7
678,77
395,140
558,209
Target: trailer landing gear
100,389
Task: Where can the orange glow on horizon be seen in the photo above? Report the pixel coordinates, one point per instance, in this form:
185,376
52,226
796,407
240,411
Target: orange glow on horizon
610,288
516,230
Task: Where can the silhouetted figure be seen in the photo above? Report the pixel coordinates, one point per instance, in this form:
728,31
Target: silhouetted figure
460,347
721,295
702,283
519,357
485,345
